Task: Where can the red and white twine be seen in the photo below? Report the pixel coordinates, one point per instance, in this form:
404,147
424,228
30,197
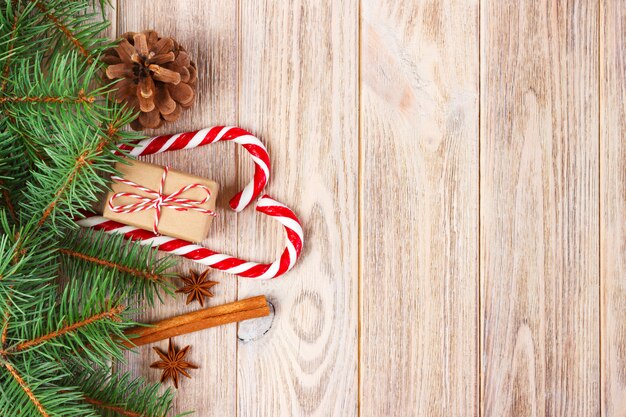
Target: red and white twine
158,199
265,205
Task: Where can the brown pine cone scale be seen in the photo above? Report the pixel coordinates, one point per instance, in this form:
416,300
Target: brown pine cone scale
155,76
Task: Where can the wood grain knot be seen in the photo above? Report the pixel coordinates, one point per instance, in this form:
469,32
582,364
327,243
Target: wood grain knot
307,316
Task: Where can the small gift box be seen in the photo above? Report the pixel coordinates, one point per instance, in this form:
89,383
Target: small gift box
161,200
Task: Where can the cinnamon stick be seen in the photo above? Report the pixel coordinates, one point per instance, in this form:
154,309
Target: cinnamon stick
198,320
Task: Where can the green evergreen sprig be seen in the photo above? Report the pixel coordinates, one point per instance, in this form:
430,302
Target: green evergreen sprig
136,267
125,395
66,297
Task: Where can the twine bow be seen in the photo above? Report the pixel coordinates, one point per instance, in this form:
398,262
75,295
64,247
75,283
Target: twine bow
159,200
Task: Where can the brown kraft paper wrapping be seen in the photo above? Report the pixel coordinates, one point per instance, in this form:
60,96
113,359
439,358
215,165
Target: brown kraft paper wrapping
189,225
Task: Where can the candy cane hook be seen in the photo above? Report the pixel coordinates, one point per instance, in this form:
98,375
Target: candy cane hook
265,205
189,140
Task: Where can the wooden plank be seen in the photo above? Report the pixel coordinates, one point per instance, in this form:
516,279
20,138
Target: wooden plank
298,92
110,13
208,30
613,206
539,208
419,208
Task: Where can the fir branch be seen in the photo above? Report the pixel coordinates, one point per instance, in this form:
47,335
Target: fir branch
76,24
114,408
112,314
124,395
18,253
81,98
88,157
8,201
19,129
64,29
34,387
7,64
75,175
5,326
88,318
5,321
150,276
27,390
137,269
45,92
58,131
5,75
62,76
79,165
21,38
77,138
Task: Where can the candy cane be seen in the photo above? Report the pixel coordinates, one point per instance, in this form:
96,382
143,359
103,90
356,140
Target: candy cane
209,135
205,256
265,205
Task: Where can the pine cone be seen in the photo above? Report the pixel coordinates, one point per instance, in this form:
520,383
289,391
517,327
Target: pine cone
156,77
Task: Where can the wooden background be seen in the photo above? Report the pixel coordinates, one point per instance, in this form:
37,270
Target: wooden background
459,167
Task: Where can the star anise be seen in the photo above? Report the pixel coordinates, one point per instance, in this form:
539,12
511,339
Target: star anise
197,286
173,363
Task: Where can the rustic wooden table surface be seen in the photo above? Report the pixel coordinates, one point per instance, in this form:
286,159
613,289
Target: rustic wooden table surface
459,167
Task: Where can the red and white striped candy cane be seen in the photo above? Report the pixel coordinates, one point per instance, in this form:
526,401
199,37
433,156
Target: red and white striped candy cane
265,205
205,256
189,140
